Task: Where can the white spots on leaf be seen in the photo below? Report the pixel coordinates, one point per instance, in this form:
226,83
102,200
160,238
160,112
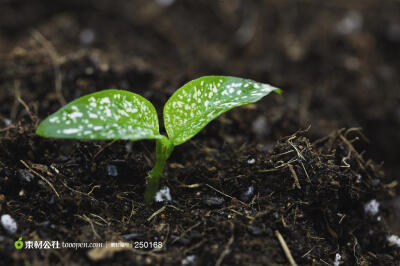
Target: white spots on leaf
107,112
97,128
204,99
75,115
71,130
93,116
54,119
105,100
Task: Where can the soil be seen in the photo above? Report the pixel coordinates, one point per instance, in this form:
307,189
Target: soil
299,167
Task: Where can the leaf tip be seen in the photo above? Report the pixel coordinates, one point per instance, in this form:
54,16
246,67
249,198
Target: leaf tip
278,91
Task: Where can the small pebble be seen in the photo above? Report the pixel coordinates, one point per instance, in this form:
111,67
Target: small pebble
9,224
375,182
112,170
188,260
394,240
351,23
338,257
130,236
7,122
163,195
260,126
165,3
213,200
372,207
255,230
246,195
87,36
251,161
25,175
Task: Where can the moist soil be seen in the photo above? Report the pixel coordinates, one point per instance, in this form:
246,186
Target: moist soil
301,166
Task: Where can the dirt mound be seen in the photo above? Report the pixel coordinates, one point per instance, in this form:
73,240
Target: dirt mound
228,206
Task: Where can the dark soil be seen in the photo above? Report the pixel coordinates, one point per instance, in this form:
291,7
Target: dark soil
240,182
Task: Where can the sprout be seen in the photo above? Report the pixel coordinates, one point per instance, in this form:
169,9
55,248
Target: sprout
122,115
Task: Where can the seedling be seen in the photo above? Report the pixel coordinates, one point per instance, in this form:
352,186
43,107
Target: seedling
123,115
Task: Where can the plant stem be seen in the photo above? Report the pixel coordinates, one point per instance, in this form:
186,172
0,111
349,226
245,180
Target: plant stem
163,150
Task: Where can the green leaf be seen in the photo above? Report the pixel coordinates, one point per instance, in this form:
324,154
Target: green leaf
104,115
201,100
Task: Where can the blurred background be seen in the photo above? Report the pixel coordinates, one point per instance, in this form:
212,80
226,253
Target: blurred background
337,61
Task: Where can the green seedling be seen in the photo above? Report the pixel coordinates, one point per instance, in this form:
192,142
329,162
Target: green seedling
123,115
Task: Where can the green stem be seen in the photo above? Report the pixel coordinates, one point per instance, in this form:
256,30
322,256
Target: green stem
164,148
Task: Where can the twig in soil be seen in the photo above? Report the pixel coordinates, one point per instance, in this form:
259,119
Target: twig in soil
324,262
353,150
87,219
186,231
308,252
294,147
225,252
285,248
103,148
359,131
7,128
161,210
305,171
241,214
191,185
101,218
226,195
194,246
42,177
296,179
77,191
18,100
345,160
56,61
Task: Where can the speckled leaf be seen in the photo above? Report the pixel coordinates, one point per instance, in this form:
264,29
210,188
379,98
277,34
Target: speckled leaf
108,114
201,100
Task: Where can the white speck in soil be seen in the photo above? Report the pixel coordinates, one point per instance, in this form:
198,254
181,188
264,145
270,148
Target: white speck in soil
112,170
351,23
163,195
213,200
394,240
251,161
7,122
25,175
260,126
165,3
131,236
87,36
338,257
375,182
372,207
255,230
9,224
188,260
246,195
128,147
